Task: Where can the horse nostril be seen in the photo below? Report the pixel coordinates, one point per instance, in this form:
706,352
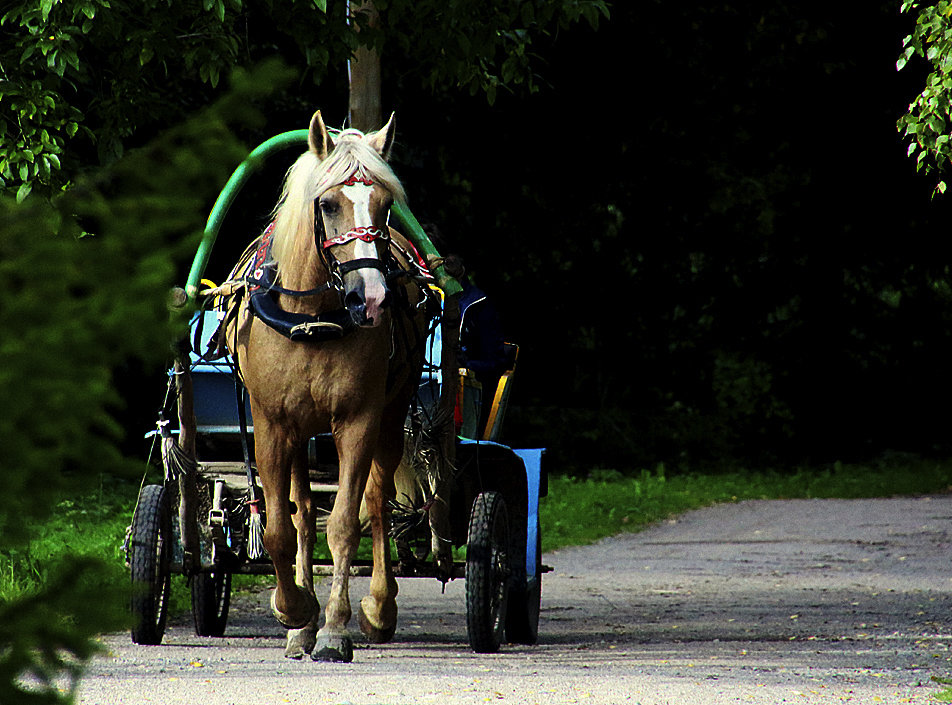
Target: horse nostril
387,300
354,303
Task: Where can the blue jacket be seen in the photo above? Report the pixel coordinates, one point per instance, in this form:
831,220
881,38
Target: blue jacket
481,340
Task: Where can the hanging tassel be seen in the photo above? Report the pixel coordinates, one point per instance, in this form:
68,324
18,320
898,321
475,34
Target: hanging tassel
255,531
175,461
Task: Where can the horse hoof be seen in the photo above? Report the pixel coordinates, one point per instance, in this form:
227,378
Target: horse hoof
374,634
300,642
333,649
287,621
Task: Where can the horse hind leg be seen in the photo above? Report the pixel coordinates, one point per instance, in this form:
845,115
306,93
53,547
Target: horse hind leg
378,610
301,641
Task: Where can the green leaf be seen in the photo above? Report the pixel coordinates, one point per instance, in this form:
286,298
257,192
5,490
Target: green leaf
321,5
24,191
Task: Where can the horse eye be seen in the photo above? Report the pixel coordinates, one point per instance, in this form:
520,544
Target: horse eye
329,207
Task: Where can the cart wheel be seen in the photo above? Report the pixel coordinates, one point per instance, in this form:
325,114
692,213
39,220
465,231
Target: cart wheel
150,548
211,597
487,572
525,601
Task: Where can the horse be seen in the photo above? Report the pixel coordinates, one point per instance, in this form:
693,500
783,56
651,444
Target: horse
331,341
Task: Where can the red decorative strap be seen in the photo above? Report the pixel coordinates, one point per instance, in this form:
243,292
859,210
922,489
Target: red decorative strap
365,233
356,178
261,255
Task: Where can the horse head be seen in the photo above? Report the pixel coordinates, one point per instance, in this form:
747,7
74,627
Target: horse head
352,213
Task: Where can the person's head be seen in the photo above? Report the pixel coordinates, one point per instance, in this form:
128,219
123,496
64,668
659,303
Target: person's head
454,266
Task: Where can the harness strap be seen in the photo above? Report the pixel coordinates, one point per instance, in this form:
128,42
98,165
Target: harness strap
362,263
267,282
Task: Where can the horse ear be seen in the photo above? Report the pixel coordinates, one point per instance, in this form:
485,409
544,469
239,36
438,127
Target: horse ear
382,139
318,138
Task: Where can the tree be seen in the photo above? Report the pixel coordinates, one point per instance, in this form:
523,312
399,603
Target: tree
81,80
928,121
84,284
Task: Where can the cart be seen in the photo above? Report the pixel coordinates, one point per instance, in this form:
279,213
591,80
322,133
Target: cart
200,523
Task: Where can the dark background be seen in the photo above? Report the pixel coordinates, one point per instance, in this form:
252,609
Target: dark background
703,232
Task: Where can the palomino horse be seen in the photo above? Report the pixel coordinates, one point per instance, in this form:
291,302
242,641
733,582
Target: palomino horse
347,362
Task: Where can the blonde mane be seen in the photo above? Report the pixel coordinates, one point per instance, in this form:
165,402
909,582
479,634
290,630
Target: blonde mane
309,178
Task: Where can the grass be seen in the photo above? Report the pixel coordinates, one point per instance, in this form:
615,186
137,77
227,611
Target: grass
92,524
579,511
576,511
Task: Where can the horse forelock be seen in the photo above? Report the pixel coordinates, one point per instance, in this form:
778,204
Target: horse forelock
309,178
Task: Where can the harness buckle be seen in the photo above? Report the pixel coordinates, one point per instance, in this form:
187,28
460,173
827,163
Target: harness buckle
316,330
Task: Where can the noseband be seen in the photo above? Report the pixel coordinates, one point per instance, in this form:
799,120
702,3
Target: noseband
363,233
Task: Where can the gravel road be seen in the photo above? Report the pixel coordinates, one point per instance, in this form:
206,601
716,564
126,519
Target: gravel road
801,601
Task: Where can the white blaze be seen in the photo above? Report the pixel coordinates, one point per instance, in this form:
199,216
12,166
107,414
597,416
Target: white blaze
374,285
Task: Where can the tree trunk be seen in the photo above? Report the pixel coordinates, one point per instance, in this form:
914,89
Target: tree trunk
364,109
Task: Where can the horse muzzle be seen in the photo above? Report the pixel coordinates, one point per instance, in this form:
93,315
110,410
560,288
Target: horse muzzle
367,304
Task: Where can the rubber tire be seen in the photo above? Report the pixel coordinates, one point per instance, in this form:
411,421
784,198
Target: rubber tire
525,603
487,572
150,550
211,597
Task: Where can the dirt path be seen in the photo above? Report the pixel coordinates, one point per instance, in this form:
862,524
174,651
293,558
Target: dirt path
812,601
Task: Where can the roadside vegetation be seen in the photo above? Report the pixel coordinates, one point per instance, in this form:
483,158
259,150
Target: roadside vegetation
577,510
606,502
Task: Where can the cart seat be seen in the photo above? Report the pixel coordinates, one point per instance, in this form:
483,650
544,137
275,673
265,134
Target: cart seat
497,412
469,401
216,410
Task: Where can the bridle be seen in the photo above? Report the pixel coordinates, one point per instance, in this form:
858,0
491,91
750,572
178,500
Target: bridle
337,269
262,284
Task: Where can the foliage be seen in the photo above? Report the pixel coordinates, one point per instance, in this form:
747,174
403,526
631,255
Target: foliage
928,121
82,79
482,47
709,274
84,279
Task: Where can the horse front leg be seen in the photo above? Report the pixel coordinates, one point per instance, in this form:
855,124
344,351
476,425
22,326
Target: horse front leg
343,536
301,641
292,606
